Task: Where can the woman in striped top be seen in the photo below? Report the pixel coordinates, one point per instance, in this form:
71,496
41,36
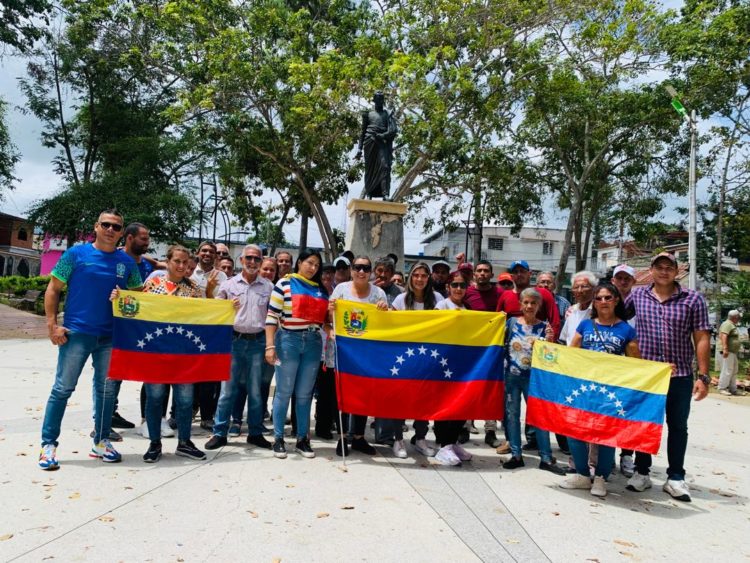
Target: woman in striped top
299,306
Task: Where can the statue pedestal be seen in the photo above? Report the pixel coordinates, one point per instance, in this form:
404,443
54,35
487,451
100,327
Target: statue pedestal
376,228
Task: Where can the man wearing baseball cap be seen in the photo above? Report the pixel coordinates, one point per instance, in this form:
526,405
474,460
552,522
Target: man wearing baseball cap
440,272
672,326
343,271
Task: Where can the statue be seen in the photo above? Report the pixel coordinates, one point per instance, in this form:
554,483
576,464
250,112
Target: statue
378,131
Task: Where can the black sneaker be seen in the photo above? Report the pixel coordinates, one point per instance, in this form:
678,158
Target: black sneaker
267,431
279,449
188,449
303,448
154,452
490,438
215,442
113,436
530,447
514,463
552,468
119,422
361,445
463,436
338,448
172,423
324,434
207,425
260,442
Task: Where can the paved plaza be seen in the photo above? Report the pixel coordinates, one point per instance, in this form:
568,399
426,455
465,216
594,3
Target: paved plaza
242,504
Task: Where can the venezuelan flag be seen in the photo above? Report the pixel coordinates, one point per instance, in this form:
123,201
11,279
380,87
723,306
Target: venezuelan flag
166,339
597,397
428,365
309,300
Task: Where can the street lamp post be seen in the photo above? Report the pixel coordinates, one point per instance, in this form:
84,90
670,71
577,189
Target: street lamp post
692,215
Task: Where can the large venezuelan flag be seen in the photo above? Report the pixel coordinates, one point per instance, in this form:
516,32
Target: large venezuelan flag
597,397
166,339
427,365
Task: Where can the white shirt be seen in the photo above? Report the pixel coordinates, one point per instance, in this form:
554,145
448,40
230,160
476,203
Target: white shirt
399,304
447,305
574,318
201,279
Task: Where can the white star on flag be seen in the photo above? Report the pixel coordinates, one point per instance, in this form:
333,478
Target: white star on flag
602,389
444,362
422,350
575,392
394,370
196,340
611,396
569,399
618,404
189,334
434,354
141,344
159,332
180,330
409,352
149,336
400,360
448,373
584,388
202,347
169,329
621,412
592,386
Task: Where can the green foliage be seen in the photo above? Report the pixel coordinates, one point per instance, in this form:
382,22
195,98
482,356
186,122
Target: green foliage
8,153
18,28
738,295
18,285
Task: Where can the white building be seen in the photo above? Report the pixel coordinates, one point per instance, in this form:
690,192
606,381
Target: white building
541,247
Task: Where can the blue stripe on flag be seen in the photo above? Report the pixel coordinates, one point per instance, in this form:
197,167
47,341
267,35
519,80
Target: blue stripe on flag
413,360
171,338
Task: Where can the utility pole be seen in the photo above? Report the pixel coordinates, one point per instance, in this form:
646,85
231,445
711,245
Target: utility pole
692,227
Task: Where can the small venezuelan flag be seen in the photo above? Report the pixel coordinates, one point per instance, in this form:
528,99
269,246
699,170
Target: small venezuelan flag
309,300
597,397
427,365
166,339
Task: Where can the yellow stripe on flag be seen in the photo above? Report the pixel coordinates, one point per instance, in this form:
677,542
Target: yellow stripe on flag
462,328
608,369
167,308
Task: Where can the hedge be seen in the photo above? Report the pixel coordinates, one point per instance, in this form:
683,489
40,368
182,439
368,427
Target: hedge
18,285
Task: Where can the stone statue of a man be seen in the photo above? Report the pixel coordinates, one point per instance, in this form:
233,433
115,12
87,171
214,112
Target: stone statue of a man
376,141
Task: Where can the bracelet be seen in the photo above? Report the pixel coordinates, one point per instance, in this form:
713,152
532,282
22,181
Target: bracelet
270,347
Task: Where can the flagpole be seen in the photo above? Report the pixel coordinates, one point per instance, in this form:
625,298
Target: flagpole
342,436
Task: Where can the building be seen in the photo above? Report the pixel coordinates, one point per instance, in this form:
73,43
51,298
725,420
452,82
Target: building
541,247
18,255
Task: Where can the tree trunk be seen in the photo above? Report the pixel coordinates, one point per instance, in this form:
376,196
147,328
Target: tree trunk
476,246
280,230
720,214
562,265
303,230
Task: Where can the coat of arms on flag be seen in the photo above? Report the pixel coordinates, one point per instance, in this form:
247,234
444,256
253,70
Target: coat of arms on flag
598,397
166,339
433,365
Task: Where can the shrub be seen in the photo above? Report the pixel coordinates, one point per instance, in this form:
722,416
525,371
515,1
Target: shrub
18,285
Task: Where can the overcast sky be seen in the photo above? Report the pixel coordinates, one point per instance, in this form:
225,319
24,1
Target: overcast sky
38,180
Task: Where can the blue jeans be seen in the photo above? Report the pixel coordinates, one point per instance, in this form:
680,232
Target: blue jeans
71,358
679,396
580,452
182,399
515,386
241,399
299,353
247,369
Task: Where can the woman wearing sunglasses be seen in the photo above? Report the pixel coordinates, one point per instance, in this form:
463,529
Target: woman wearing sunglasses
447,431
419,296
605,331
362,291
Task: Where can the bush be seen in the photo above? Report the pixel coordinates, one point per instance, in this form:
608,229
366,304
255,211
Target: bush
18,285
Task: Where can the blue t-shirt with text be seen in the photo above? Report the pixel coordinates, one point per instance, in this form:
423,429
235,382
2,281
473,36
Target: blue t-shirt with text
91,275
610,339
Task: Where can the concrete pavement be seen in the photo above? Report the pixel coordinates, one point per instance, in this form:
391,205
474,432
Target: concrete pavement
243,504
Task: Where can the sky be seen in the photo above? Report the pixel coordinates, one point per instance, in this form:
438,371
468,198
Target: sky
37,178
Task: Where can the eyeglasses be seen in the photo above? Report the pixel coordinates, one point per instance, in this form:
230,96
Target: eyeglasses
116,227
506,283
580,288
604,298
458,285
256,259
362,268
223,253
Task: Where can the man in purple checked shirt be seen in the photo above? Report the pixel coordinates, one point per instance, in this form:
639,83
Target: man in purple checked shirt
672,326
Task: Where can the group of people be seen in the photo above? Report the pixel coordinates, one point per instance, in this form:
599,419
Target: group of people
282,329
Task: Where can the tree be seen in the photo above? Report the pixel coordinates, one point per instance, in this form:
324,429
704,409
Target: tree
595,125
8,153
116,146
17,26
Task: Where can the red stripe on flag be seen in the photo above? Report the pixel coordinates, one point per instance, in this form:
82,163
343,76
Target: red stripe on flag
169,368
419,399
592,427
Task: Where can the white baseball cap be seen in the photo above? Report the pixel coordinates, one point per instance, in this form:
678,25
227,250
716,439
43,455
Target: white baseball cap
624,268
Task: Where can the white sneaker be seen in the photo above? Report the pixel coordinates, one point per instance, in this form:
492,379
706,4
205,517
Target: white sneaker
599,488
627,466
143,430
424,449
576,481
638,483
678,490
461,453
725,392
399,449
446,456
166,431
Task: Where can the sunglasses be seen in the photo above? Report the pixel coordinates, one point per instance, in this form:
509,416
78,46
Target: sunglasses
604,298
362,268
116,227
223,253
256,259
506,283
458,285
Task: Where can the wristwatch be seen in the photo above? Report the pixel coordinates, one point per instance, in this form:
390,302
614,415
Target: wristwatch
705,379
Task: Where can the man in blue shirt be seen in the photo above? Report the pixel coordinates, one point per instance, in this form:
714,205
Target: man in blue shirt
90,271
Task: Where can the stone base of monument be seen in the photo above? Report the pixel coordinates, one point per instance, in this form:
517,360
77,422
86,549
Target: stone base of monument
376,228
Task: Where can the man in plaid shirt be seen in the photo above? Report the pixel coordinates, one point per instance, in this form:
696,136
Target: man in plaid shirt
672,326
